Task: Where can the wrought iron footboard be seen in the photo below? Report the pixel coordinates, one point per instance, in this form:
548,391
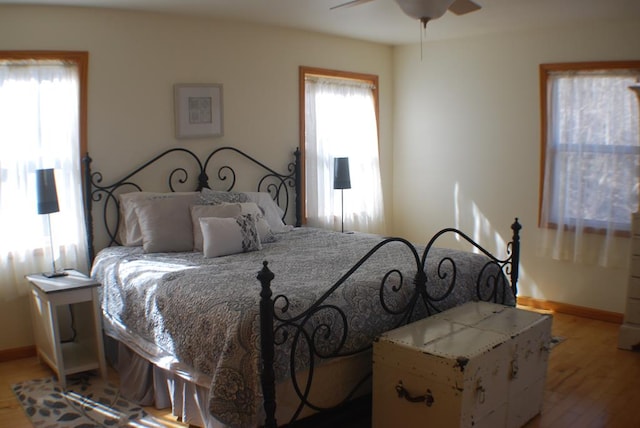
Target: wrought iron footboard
279,327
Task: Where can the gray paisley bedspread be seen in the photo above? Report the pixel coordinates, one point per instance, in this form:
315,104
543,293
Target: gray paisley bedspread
205,312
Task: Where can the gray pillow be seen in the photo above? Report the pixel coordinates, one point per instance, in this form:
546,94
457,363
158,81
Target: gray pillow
129,233
165,225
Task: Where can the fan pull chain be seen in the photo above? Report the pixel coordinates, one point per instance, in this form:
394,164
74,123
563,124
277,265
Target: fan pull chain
423,30
421,34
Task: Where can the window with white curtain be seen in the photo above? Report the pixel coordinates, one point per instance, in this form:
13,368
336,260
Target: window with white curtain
591,158
340,120
40,127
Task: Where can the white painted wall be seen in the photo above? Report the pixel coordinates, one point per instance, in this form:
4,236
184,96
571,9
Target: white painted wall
467,145
136,58
459,129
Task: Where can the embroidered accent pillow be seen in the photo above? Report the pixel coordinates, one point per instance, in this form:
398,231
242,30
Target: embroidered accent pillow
264,230
224,236
214,197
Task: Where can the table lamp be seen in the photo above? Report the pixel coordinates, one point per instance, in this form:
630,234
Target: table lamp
47,204
341,179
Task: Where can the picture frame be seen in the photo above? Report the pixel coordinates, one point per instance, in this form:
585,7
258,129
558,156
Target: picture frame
198,110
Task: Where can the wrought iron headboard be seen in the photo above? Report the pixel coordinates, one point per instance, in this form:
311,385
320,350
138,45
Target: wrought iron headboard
277,184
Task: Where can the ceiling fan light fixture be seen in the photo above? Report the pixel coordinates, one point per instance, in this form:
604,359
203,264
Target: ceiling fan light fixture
424,10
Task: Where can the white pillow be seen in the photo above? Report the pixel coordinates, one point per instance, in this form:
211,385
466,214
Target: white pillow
264,230
231,235
272,212
199,211
165,225
129,233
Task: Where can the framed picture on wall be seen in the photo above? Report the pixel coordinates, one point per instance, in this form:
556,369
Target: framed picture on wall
198,110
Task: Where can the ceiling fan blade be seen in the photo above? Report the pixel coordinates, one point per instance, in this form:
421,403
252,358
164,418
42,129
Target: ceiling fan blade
350,3
460,7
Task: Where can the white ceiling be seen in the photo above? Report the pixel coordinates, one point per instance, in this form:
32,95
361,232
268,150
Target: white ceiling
381,20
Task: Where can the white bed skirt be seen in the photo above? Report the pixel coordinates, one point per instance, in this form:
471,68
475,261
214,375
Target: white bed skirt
148,384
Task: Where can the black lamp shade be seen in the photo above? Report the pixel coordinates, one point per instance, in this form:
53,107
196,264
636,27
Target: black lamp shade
47,195
341,177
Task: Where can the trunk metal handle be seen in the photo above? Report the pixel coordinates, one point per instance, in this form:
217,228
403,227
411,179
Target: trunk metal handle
403,393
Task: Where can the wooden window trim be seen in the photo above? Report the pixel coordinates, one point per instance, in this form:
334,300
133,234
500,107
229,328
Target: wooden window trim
545,71
303,72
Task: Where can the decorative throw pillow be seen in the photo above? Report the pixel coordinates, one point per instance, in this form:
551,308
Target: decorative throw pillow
165,225
213,197
272,212
264,231
129,233
199,211
224,236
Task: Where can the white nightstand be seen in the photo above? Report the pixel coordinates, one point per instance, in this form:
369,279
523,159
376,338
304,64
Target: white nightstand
86,351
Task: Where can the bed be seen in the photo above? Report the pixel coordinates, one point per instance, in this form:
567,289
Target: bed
279,330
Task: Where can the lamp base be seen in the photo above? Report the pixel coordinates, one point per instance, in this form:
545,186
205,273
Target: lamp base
55,274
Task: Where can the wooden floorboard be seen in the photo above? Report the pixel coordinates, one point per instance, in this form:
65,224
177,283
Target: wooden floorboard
590,384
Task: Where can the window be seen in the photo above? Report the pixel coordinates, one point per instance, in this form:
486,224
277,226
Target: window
339,119
590,149
42,125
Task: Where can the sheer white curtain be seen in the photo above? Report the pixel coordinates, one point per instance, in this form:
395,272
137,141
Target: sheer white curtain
341,122
591,173
39,128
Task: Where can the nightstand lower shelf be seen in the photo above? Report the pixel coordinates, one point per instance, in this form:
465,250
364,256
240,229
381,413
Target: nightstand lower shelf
77,358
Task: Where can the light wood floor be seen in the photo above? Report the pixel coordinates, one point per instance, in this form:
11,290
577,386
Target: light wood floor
590,383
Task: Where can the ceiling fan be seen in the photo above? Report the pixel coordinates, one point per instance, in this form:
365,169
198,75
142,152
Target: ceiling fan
425,10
